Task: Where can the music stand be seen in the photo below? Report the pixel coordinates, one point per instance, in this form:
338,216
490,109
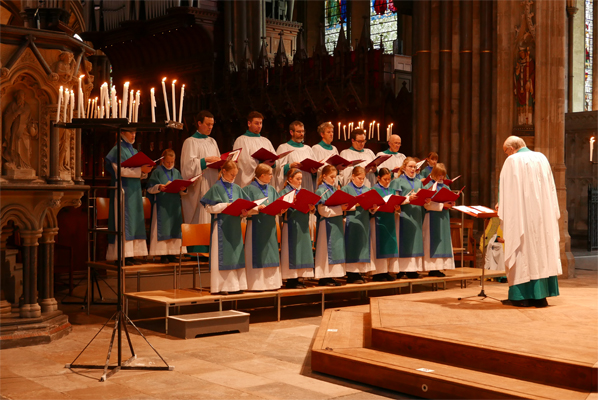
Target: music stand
482,213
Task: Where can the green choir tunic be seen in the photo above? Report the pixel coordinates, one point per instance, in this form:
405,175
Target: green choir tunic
358,229
299,242
265,249
168,205
440,245
385,228
410,242
425,172
336,248
229,228
135,227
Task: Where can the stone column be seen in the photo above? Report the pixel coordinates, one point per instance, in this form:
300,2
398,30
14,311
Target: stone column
5,306
445,82
54,155
421,74
46,270
571,10
595,55
465,95
30,308
485,98
549,118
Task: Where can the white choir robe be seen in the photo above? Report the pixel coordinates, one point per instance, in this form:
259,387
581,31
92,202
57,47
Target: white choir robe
383,265
259,278
429,263
322,154
162,247
350,154
395,161
228,280
298,154
528,208
322,267
249,143
131,248
192,154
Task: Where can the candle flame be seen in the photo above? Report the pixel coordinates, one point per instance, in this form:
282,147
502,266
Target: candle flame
127,83
592,139
174,80
81,76
182,86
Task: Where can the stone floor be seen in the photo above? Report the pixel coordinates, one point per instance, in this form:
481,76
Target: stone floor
271,361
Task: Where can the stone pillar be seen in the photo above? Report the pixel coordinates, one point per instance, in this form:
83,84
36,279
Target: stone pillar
549,118
571,10
46,270
421,75
54,155
465,95
5,306
595,55
445,82
30,308
485,98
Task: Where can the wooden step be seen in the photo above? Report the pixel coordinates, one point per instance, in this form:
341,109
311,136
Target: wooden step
341,348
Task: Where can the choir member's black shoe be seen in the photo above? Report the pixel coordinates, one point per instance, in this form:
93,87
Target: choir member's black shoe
437,273
354,277
294,284
400,275
517,303
326,282
539,303
334,282
379,278
129,261
173,258
389,277
164,259
136,261
413,275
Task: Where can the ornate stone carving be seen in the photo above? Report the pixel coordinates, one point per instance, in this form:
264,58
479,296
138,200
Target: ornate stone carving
18,128
65,66
64,151
524,73
53,203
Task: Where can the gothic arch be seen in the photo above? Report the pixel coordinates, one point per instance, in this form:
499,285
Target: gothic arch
20,216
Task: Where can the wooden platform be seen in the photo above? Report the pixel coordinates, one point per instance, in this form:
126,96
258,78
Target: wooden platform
434,346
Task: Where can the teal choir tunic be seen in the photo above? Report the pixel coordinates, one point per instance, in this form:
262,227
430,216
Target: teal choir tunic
385,228
228,227
358,229
439,229
168,205
336,248
299,241
410,241
425,171
265,249
135,227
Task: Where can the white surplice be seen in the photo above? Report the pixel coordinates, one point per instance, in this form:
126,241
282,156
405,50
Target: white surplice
246,163
395,161
528,208
322,155
350,154
193,152
298,154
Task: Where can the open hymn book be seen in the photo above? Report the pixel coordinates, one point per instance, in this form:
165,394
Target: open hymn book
477,211
233,155
178,184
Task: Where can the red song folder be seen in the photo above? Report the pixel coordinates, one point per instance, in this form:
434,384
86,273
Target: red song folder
232,155
138,160
308,165
447,182
422,195
340,197
304,198
265,155
392,201
176,185
337,160
369,199
276,207
445,195
377,161
235,208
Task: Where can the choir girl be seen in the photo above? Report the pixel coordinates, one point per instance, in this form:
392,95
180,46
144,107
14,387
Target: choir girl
431,161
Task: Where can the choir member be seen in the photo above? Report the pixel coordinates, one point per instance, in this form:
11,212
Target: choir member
324,149
357,151
357,231
197,152
165,230
330,254
226,260
410,229
299,153
437,240
135,227
396,159
384,233
296,246
261,247
250,142
431,161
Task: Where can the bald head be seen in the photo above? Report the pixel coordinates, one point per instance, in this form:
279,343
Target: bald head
395,142
512,144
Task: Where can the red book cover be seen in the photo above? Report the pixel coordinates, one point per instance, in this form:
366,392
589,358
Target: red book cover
304,198
445,195
235,208
422,195
265,155
138,160
369,199
447,182
232,155
379,160
308,165
393,201
340,197
176,185
276,207
337,160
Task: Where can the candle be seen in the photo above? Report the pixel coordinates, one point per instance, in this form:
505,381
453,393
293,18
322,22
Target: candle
391,129
72,105
137,105
107,101
130,108
60,96
66,103
97,110
101,107
113,101
132,112
152,105
80,94
181,103
592,140
173,98
378,131
339,130
120,110
87,113
125,93
344,132
166,100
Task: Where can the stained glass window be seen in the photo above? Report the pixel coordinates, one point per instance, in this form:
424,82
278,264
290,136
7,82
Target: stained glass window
335,16
589,52
384,24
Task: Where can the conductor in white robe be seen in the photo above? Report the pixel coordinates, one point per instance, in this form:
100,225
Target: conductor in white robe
198,151
396,159
529,211
299,153
357,151
324,149
250,142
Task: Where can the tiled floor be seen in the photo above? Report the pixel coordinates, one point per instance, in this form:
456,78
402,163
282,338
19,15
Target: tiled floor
272,361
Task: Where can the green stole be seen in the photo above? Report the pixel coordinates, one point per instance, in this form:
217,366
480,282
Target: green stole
299,243
265,249
410,241
336,248
440,238
386,243
135,224
358,230
325,145
228,227
168,205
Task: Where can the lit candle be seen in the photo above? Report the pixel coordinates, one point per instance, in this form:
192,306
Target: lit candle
181,103
166,100
173,98
391,129
87,113
125,94
107,101
113,101
130,108
72,105
80,94
97,110
60,96
378,131
344,132
101,107
132,112
120,110
66,104
339,130
137,105
592,140
152,105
